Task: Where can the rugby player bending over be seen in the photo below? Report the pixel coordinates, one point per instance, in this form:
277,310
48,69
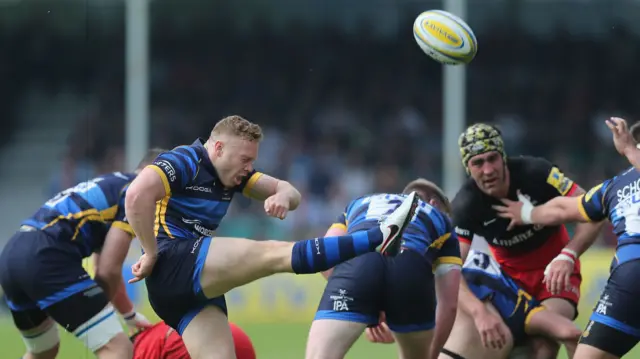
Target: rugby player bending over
502,296
175,206
522,252
45,283
614,327
404,287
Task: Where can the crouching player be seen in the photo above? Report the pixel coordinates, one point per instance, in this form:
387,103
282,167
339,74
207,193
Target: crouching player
404,287
522,314
42,274
163,342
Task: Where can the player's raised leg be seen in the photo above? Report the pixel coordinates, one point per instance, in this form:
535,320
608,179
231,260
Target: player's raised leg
232,262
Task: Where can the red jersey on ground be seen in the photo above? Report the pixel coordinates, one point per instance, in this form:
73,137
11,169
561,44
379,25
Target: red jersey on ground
524,251
162,342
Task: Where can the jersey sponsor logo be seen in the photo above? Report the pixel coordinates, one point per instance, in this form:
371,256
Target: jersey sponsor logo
198,227
462,232
167,168
199,189
628,191
486,223
559,181
518,238
341,301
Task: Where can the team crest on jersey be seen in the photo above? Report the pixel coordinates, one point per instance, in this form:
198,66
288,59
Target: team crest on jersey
559,181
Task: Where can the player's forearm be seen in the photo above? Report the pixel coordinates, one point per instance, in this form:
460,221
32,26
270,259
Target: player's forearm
287,190
633,156
140,212
445,318
584,237
556,211
121,300
468,302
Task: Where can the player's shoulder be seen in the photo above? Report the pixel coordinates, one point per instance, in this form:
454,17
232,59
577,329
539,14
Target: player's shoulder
625,182
185,153
116,179
529,165
468,198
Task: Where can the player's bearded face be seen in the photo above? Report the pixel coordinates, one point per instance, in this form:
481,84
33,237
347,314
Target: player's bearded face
234,160
488,170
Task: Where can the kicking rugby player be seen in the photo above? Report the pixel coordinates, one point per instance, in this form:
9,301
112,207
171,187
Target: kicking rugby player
614,327
188,191
523,252
404,287
522,314
45,283
163,342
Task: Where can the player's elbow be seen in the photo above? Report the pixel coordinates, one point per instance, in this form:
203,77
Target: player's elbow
294,195
108,278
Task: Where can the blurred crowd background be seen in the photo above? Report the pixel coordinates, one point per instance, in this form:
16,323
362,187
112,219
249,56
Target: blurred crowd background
348,102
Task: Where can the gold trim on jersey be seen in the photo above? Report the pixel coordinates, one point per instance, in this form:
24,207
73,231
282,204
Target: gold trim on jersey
163,177
581,209
85,216
123,226
447,260
161,217
527,319
438,243
341,226
250,183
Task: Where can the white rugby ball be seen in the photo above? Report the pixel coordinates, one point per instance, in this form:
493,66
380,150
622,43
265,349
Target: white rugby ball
445,37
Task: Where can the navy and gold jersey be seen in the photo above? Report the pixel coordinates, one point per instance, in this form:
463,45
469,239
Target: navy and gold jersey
617,199
429,233
196,200
488,282
83,214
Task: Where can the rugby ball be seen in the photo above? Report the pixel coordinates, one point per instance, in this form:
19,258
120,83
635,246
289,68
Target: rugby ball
445,37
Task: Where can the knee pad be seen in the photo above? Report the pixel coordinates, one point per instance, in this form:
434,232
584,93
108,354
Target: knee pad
37,343
100,329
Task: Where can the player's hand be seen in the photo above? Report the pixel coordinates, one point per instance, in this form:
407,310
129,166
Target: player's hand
277,206
492,330
512,210
622,138
557,274
380,333
136,321
143,267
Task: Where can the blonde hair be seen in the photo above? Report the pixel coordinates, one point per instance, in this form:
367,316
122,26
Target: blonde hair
431,191
237,126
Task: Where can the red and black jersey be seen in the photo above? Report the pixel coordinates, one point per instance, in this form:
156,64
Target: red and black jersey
473,215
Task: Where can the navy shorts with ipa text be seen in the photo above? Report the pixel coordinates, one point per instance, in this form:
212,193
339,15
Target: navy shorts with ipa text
174,287
401,286
614,325
42,277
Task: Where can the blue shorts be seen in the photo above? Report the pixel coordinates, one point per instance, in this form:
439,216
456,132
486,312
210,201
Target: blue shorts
614,326
42,277
401,286
174,287
488,283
